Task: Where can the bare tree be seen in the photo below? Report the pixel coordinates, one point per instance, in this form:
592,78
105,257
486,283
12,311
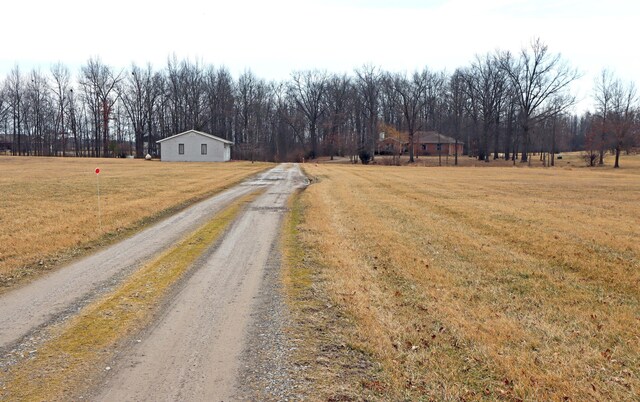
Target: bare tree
250,94
435,99
61,85
138,94
541,82
307,90
14,89
99,82
590,153
39,142
246,103
192,76
74,122
368,84
510,133
4,113
624,112
339,94
456,100
219,90
290,123
185,95
472,111
487,85
412,101
603,93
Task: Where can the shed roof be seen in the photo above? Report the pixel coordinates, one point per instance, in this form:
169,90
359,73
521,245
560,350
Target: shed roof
213,137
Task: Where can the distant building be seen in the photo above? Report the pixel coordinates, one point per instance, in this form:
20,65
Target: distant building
194,146
425,143
428,142
6,142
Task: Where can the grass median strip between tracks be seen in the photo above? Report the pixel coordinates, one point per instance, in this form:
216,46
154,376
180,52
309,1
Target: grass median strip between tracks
66,364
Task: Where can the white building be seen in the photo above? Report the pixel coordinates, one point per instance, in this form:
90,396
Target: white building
195,146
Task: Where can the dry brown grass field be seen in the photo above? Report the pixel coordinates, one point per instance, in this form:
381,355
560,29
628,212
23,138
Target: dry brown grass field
463,283
49,206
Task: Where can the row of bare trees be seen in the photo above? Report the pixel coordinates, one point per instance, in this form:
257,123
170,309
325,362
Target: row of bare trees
501,105
615,122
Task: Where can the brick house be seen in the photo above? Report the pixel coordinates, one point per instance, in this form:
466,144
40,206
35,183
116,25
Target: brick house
425,143
428,142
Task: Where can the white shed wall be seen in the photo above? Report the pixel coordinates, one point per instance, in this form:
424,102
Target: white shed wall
217,151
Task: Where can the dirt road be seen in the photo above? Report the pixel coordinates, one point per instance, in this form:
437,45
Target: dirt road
192,351
26,310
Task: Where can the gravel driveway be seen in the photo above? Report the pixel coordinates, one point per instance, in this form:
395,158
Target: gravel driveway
194,351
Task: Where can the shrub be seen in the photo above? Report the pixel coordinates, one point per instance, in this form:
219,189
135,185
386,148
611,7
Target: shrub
590,158
365,156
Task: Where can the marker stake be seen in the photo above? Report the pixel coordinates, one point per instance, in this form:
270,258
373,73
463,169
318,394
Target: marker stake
98,183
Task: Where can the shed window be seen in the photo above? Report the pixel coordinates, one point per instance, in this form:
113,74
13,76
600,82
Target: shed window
181,149
203,149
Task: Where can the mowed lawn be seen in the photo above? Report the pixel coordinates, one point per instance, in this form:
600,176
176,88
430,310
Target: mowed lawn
49,206
471,283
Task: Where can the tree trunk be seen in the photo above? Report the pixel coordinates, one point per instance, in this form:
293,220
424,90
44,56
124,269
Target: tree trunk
525,144
63,130
314,141
105,130
617,162
139,144
150,137
496,139
601,153
553,145
19,134
411,160
75,141
485,143
456,150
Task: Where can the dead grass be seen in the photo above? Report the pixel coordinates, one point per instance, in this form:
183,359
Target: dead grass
470,283
75,355
328,367
48,206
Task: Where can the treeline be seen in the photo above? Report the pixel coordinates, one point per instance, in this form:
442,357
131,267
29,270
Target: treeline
501,105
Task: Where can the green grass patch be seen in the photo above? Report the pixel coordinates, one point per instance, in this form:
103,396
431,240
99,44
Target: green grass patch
298,274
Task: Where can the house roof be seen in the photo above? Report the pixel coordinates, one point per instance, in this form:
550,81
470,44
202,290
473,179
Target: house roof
422,137
433,137
213,137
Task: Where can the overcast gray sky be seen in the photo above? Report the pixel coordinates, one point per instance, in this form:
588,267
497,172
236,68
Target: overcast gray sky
274,38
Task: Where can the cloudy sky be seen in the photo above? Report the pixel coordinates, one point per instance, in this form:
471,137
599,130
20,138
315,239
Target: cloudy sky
274,37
